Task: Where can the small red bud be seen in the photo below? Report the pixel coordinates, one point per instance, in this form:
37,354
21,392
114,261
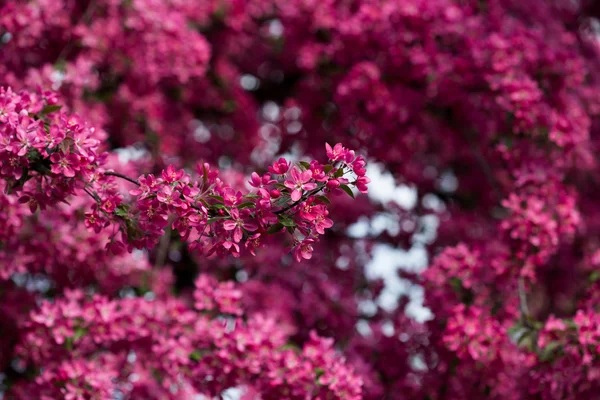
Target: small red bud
275,193
333,184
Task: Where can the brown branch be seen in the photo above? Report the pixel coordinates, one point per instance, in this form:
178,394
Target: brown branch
303,198
92,195
112,173
485,166
163,245
523,300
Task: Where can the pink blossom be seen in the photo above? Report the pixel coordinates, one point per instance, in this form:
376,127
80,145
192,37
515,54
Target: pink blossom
261,182
361,184
333,184
171,175
358,166
95,222
65,163
338,152
303,250
170,197
321,222
110,204
318,172
253,243
237,223
280,167
231,197
299,182
148,184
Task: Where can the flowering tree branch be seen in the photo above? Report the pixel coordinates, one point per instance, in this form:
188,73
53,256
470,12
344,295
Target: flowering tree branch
215,214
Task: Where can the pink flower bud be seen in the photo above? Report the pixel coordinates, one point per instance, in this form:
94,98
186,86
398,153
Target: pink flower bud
333,184
275,193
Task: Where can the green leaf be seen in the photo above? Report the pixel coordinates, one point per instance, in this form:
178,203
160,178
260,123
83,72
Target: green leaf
34,155
550,351
290,346
594,276
456,284
195,355
19,183
338,173
247,204
517,333
286,221
217,198
275,228
122,211
133,232
213,219
79,333
570,323
526,339
50,108
65,145
513,330
318,373
346,189
220,13
60,65
282,201
229,106
323,199
327,168
305,164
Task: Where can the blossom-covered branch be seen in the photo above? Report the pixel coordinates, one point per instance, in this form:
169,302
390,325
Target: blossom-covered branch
48,156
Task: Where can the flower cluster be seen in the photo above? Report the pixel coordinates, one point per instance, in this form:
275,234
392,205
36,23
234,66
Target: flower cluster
488,111
43,148
568,347
49,158
539,222
452,276
211,214
62,156
470,335
94,347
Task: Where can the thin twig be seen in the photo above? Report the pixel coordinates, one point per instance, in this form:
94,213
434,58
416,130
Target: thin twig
303,198
523,301
112,173
92,195
485,166
163,245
